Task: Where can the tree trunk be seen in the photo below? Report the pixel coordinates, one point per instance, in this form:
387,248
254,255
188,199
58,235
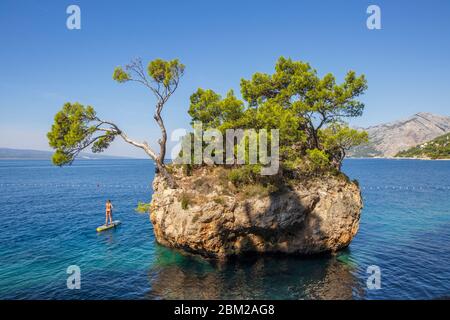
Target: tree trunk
162,146
162,142
339,159
161,168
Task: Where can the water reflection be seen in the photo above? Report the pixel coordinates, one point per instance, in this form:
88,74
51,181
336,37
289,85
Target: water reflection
109,237
175,276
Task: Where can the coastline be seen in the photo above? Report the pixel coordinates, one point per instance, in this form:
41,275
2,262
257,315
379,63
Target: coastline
352,158
398,158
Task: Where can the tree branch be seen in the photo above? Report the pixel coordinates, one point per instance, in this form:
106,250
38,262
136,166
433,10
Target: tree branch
144,145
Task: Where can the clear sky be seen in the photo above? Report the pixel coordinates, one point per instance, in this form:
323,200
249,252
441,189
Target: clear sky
43,64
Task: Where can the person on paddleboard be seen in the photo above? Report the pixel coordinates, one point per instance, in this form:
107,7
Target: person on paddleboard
109,208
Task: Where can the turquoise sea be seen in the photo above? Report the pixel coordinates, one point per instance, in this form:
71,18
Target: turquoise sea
48,217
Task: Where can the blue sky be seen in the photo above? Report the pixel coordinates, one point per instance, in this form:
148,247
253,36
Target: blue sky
43,64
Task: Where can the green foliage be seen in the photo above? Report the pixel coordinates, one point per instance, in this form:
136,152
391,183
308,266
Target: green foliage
438,148
342,136
185,201
205,108
60,158
293,163
308,110
160,71
213,111
244,174
274,116
296,87
73,130
77,127
338,138
103,142
165,72
142,207
318,160
237,177
120,76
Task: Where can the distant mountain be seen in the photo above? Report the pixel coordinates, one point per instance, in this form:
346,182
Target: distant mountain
438,148
387,140
25,154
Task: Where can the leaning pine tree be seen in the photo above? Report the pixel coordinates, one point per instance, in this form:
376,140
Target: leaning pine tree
77,127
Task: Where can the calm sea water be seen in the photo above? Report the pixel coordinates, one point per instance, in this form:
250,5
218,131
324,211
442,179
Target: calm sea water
48,218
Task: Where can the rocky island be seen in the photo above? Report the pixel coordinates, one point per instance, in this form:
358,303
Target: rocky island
259,174
217,220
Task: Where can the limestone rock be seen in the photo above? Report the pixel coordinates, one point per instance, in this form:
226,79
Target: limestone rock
315,217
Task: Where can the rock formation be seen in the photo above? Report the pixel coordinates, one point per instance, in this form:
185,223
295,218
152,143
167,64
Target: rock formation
205,216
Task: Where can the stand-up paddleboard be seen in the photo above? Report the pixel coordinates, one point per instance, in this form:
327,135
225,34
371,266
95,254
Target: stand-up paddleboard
114,224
